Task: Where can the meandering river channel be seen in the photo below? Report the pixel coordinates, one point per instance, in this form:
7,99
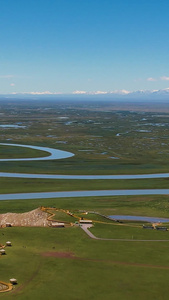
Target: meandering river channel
59,154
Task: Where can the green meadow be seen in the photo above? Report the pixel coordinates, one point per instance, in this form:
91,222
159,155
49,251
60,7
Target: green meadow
65,263
20,185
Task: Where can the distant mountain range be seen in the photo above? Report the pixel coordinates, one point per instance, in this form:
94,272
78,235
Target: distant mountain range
154,93
162,94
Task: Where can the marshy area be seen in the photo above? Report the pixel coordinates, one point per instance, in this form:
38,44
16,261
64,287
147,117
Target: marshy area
106,138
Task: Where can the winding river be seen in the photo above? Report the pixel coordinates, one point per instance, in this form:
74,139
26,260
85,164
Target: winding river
59,154
53,153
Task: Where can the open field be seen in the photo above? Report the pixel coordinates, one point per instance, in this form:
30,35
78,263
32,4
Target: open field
106,139
68,263
20,185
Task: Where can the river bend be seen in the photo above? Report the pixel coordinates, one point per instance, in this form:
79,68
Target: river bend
59,154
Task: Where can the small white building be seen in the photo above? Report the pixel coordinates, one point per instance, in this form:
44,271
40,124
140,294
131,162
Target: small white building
2,251
57,224
13,280
8,243
86,222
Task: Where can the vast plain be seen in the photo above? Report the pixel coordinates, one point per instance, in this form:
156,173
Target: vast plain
106,138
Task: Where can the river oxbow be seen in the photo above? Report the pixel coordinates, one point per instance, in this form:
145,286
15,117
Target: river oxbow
59,154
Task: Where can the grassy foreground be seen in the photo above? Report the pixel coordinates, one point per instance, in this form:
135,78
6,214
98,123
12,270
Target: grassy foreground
66,263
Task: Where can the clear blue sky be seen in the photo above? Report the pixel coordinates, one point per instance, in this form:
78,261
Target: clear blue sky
86,45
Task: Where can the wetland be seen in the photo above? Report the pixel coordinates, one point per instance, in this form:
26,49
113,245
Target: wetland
107,139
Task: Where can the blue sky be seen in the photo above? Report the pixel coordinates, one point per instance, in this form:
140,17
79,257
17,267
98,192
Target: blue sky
62,46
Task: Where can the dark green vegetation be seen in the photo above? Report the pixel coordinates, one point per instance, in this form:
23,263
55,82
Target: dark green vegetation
65,263
18,152
104,141
19,185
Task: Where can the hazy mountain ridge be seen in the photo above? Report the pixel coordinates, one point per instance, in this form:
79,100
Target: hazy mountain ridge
162,94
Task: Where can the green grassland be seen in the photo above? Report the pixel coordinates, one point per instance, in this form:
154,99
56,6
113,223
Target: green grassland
101,270
90,268
128,231
65,263
152,206
20,185
20,152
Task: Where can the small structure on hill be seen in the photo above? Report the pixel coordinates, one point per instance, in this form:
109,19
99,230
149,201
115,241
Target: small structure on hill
2,251
154,226
8,225
148,226
85,221
13,281
56,224
8,243
161,228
